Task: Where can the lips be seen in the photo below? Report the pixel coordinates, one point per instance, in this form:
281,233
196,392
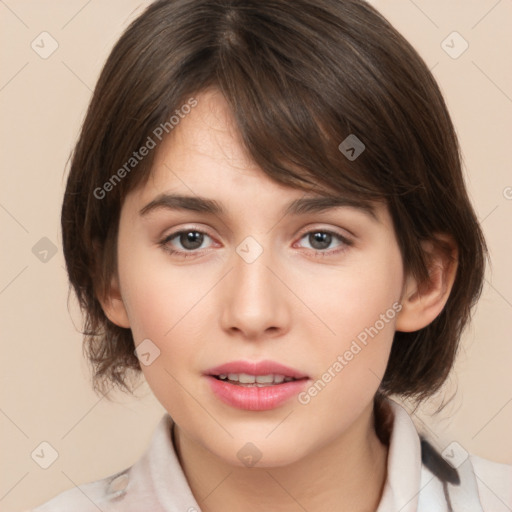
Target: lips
255,386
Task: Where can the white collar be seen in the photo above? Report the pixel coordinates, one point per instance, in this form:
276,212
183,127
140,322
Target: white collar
404,464
409,486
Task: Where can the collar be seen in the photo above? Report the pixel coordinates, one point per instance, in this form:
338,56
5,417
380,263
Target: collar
419,479
412,485
404,463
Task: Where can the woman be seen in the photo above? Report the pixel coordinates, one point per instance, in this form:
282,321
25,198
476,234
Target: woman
266,216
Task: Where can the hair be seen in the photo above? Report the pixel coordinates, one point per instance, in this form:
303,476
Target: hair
299,78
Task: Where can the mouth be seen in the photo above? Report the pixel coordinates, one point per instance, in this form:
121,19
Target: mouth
255,386
255,373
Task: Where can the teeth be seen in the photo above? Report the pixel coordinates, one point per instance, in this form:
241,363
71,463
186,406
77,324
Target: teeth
244,378
265,379
258,380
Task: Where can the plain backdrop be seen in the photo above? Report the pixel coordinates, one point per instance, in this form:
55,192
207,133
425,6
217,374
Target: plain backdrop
46,396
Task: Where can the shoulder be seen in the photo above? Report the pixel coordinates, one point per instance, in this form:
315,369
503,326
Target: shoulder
440,480
89,497
494,482
154,482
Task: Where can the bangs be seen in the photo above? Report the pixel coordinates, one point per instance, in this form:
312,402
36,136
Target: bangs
296,99
291,104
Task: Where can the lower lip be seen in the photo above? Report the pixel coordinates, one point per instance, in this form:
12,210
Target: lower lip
255,398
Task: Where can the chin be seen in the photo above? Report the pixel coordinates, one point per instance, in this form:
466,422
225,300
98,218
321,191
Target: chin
260,453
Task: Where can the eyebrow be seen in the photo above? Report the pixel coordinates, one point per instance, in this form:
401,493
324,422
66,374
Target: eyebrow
300,206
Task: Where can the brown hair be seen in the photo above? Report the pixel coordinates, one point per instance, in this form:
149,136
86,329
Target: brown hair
299,77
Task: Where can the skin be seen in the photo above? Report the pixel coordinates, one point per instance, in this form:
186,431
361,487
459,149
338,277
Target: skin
292,305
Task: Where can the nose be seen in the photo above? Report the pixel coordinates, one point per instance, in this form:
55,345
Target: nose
255,301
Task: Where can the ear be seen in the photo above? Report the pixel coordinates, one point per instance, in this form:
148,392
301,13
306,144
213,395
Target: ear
113,305
423,302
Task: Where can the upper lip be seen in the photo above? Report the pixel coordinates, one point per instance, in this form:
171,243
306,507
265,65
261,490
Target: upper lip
256,368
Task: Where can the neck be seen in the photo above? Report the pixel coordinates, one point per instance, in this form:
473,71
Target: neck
347,474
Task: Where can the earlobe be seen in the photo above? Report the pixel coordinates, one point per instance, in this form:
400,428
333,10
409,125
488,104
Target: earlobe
423,302
113,305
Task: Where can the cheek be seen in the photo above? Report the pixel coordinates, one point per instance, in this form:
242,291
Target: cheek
156,296
359,311
164,304
161,309
354,299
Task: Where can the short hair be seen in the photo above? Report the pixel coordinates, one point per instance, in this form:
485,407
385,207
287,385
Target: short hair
299,78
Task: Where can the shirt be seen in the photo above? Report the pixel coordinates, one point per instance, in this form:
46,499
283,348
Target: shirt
418,479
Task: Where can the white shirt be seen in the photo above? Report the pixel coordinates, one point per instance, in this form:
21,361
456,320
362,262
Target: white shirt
156,482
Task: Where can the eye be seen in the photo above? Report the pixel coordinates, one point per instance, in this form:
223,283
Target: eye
321,239
190,240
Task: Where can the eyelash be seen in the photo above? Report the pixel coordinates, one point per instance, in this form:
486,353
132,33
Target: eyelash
346,243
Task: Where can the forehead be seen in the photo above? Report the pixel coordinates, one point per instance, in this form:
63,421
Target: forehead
202,166
209,132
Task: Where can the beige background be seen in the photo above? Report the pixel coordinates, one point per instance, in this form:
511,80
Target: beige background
45,392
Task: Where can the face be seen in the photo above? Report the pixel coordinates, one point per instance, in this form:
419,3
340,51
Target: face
253,288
